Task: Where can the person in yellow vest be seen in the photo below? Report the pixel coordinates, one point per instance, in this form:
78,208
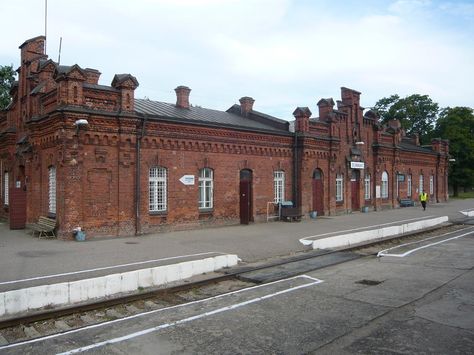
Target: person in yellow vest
423,199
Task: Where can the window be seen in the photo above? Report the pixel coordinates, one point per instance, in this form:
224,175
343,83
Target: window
339,187
367,187
279,186
206,187
431,184
420,184
52,190
5,187
157,182
384,185
409,185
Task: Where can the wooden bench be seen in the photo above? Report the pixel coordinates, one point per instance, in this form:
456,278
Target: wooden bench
291,213
407,203
44,227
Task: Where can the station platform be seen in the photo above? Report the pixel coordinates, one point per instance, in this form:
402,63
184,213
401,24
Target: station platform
29,263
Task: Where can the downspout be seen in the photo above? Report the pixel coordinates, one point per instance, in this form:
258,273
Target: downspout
140,134
295,170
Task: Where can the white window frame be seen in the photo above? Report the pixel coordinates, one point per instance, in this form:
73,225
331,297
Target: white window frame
367,187
206,188
52,189
409,187
158,189
5,188
384,189
431,184
278,186
420,183
339,187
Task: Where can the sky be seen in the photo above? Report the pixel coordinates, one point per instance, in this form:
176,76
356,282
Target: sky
283,53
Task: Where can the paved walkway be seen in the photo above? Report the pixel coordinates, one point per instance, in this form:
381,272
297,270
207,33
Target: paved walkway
24,257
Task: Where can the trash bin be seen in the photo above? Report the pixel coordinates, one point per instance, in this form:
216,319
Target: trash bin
365,209
79,234
313,214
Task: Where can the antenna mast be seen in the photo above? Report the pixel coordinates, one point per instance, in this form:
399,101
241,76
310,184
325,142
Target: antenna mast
45,22
59,56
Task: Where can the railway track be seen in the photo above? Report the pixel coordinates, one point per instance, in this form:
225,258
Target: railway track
57,321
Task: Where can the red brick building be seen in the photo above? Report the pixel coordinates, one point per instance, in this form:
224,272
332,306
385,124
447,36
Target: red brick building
94,156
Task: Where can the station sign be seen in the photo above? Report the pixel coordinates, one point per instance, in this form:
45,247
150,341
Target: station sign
357,165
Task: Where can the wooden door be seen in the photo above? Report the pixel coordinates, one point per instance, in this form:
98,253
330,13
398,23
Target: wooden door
17,206
355,190
245,196
318,192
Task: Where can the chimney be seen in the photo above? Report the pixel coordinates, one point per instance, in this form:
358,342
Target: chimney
302,115
246,105
326,106
182,96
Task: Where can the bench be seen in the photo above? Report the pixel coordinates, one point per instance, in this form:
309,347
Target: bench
44,227
291,213
407,203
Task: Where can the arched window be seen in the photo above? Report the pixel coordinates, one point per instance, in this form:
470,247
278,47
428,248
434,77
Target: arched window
5,188
52,190
339,187
367,187
409,185
384,185
420,184
278,186
206,188
158,189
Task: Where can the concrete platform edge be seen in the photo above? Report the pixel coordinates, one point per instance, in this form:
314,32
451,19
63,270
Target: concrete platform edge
68,293
349,239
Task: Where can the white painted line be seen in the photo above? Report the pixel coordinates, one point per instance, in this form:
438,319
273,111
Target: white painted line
468,213
186,320
156,311
305,240
106,268
383,252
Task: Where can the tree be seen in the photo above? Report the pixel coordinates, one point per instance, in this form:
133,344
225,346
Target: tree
457,125
416,113
7,78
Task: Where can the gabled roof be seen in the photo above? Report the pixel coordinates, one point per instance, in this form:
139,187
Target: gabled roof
201,115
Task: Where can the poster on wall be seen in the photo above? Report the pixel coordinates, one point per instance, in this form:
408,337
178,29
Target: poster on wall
377,191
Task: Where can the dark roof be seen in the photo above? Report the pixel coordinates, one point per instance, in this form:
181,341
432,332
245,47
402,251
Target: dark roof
201,115
100,87
414,148
38,88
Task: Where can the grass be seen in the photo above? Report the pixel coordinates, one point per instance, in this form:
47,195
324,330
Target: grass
464,195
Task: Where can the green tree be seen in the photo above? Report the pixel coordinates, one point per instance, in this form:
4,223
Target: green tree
416,113
7,77
457,125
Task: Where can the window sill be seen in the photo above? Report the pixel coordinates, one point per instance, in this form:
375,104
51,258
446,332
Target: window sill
158,213
52,215
203,211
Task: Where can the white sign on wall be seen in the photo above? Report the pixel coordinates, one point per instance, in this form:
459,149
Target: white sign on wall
357,165
377,191
187,179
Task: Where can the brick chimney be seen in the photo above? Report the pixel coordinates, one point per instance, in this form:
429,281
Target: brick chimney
246,105
302,115
326,106
182,96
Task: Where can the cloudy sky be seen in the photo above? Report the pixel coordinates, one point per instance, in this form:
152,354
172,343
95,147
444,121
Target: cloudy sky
283,53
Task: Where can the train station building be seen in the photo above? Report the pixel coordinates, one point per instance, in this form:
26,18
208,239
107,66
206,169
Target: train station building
93,156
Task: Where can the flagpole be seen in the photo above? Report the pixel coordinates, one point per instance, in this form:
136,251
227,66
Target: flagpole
45,23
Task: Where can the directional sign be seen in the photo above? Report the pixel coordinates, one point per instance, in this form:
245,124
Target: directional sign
187,179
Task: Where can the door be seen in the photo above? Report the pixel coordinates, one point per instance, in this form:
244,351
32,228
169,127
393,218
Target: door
245,196
355,190
17,203
318,192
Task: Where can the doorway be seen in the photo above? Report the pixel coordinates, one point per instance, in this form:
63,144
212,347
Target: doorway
245,196
17,194
355,190
318,192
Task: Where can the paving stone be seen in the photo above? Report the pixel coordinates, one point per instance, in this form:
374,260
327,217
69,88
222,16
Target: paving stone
3,341
31,332
61,325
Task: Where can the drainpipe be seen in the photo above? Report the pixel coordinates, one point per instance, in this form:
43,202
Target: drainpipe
140,134
295,170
